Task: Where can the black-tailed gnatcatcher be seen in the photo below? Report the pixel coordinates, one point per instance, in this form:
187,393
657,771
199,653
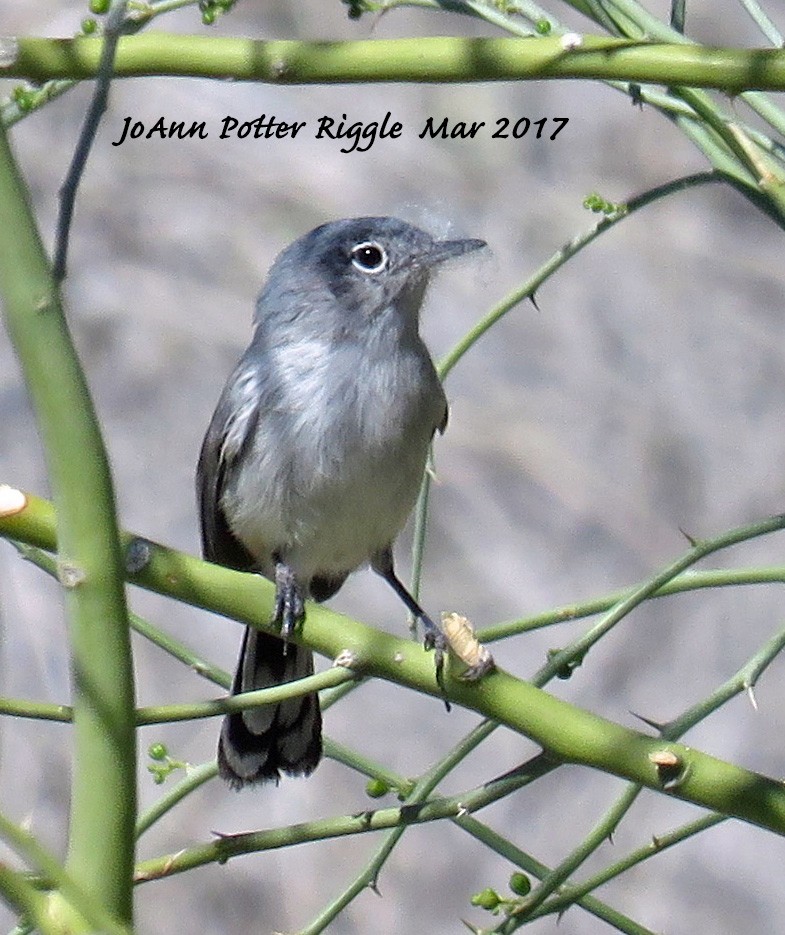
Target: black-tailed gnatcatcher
315,454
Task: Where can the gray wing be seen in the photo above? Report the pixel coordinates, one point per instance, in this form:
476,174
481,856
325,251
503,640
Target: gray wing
231,430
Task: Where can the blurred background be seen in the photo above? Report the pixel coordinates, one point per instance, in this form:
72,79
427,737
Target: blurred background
644,396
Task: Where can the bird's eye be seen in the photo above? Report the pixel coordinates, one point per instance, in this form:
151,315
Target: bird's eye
369,257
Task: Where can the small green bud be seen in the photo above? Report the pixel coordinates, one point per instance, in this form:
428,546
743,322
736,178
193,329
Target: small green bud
157,751
543,27
99,7
599,205
487,899
376,788
89,26
23,98
208,17
520,884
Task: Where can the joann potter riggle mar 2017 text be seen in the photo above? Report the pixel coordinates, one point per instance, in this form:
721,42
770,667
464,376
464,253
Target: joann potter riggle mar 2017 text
359,135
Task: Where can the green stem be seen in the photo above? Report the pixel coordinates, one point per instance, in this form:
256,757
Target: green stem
413,811
687,581
742,680
195,777
529,864
103,795
167,714
191,711
17,890
421,792
528,289
568,733
637,596
430,59
72,896
571,895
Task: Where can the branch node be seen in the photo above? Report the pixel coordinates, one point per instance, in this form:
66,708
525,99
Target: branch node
137,555
69,575
571,41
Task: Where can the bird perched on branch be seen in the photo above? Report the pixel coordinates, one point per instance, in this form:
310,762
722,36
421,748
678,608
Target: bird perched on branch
315,454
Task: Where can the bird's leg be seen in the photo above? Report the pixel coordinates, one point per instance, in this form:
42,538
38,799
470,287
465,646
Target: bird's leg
289,604
434,637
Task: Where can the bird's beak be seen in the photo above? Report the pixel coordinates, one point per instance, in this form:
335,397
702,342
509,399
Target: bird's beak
448,249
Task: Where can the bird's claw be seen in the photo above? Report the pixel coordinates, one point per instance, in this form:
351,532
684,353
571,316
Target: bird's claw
289,604
436,640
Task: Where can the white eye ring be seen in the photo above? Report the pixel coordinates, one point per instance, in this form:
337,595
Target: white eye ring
369,257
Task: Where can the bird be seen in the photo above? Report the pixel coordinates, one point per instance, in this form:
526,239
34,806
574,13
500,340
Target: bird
315,454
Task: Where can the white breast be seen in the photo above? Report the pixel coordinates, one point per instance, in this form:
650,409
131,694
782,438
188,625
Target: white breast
337,457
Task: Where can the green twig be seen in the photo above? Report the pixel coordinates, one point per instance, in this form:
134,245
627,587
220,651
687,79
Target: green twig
103,795
71,895
175,648
189,711
428,59
527,863
410,812
659,843
567,732
690,580
763,22
18,892
420,793
743,680
528,289
700,550
195,777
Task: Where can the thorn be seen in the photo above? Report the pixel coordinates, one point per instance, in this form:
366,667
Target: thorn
533,300
751,695
472,928
655,725
691,539
373,886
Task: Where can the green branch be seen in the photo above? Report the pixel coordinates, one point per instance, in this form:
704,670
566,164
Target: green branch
103,794
70,894
411,812
687,581
439,59
742,681
566,732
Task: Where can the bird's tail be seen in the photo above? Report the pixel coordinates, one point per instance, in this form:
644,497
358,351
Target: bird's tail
259,744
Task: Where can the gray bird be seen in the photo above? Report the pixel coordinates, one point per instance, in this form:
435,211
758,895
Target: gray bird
315,455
